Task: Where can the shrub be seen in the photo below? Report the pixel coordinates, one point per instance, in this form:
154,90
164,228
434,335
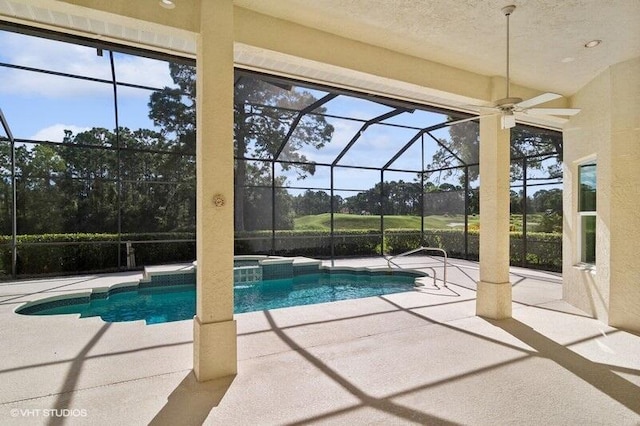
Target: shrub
73,253
352,242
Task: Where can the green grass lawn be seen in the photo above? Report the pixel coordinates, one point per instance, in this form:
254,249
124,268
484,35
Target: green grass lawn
322,222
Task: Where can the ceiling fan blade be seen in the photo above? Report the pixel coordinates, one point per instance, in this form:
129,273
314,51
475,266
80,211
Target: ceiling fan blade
482,109
552,111
540,99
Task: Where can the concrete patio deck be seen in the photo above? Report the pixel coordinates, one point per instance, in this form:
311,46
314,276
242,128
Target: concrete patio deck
420,357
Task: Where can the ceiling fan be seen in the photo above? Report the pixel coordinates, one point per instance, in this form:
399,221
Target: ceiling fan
509,106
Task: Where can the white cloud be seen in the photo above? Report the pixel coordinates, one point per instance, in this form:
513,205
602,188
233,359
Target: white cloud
143,71
55,133
72,59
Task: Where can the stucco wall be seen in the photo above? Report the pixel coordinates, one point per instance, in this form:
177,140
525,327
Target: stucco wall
625,196
607,131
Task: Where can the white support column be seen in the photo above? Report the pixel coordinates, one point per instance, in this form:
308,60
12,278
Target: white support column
494,289
214,329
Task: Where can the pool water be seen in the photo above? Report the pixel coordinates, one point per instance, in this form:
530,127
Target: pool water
177,302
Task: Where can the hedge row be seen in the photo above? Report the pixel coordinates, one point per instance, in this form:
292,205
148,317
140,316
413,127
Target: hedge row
72,253
361,242
544,250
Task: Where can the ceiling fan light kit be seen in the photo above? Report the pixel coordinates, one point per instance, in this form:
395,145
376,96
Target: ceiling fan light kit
509,106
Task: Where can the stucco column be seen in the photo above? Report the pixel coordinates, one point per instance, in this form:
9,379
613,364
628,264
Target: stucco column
214,329
494,289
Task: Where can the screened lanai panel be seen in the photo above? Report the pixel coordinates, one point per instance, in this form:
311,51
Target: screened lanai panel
453,145
307,140
355,179
308,203
49,105
302,223
544,228
254,221
253,207
417,119
444,210
300,177
357,228
518,204
259,132
156,207
544,170
409,155
5,155
251,174
255,89
378,144
6,194
444,196
337,134
265,110
256,209
99,255
528,141
51,55
402,197
134,115
473,213
138,165
65,189
69,160
41,206
354,107
138,70
65,205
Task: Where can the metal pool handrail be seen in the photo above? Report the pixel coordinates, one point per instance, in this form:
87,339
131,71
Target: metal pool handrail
421,248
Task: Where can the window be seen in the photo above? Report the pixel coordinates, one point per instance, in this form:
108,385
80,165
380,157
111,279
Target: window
587,212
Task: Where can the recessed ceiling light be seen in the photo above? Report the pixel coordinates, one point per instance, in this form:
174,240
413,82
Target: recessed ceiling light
567,60
167,4
592,43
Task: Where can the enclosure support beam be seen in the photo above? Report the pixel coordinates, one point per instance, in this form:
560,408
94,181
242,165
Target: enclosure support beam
363,128
294,125
215,336
14,206
493,299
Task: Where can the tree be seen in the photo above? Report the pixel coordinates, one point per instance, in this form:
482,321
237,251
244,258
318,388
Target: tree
263,113
154,191
313,202
548,201
464,142
443,199
39,191
402,198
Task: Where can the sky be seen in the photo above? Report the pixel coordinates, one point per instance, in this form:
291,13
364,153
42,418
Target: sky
40,106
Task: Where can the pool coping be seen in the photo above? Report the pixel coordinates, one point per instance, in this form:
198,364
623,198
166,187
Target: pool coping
172,275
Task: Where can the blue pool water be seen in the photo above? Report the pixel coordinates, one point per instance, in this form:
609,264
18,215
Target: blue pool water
177,302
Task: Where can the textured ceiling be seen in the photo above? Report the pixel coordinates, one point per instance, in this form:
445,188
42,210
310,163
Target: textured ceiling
471,34
547,36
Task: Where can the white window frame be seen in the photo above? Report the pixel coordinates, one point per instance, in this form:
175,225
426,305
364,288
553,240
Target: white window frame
581,249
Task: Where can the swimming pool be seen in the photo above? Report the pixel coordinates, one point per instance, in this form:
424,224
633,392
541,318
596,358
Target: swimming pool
164,303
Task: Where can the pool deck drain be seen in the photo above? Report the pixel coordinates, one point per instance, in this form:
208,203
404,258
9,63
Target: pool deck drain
419,357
